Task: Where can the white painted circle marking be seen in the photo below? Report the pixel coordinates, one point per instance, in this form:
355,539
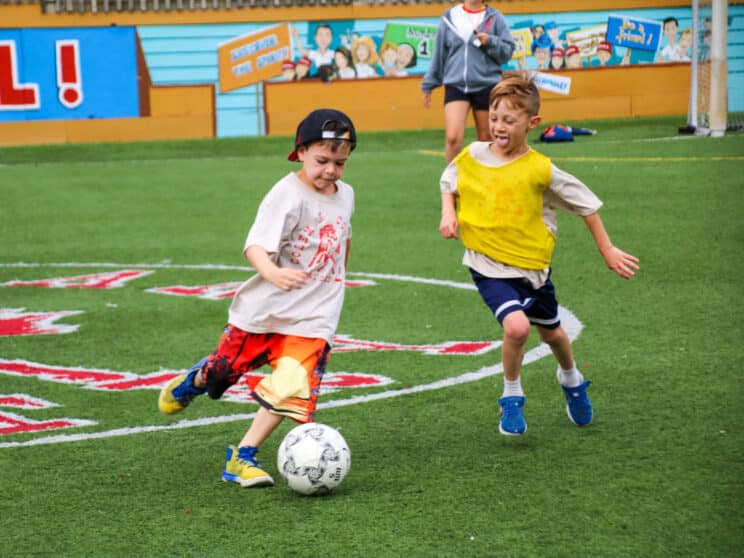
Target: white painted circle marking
569,321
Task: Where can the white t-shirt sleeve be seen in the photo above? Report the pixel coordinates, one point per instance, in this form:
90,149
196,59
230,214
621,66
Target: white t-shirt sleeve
269,229
569,194
448,180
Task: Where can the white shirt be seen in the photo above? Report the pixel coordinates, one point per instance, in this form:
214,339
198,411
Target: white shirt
346,73
320,58
466,22
565,192
301,229
364,70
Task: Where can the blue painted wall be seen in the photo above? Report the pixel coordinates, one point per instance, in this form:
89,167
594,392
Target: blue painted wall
108,72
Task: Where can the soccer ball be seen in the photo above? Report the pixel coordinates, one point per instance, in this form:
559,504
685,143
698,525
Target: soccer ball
313,458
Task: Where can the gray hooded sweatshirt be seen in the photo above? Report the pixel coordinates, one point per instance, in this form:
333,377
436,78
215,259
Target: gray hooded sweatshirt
463,64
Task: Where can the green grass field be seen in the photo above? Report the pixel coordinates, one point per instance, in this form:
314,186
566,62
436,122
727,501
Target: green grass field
659,473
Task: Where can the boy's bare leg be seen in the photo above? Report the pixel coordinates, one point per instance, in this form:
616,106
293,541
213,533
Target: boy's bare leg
263,424
578,406
558,341
516,331
199,380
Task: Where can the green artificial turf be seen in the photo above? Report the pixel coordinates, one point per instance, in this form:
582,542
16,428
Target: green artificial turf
659,473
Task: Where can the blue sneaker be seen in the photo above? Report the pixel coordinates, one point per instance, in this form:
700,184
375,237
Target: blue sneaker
512,421
578,406
177,394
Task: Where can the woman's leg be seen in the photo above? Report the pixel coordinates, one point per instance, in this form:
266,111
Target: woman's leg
455,117
481,125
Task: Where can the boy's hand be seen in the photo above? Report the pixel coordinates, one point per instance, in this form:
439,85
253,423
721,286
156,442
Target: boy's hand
448,227
283,277
625,265
288,279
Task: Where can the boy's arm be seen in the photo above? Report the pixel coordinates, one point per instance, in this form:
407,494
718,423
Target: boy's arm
448,225
618,261
283,277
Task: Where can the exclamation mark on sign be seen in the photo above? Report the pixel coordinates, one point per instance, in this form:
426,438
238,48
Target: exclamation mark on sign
69,80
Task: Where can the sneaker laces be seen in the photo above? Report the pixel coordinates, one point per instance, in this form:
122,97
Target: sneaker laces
510,407
510,410
577,393
247,455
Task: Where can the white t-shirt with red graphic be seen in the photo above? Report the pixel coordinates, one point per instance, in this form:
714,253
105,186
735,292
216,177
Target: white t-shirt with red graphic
302,229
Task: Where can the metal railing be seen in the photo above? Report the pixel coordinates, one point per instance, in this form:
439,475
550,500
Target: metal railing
107,6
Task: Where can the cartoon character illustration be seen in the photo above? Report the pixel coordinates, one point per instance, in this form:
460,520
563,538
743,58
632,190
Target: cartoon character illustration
670,27
364,54
604,52
556,58
388,58
405,58
323,38
551,29
349,38
541,51
573,57
343,64
288,70
682,54
302,68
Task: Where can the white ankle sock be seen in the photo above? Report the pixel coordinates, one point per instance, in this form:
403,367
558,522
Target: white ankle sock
570,378
513,388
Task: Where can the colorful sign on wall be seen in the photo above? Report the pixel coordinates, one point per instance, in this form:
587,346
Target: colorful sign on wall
634,32
254,57
419,36
523,41
51,74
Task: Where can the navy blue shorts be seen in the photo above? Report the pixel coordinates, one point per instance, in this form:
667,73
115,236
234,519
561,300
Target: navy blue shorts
504,296
477,99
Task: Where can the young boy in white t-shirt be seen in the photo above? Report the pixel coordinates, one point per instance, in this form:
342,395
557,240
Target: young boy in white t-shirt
287,313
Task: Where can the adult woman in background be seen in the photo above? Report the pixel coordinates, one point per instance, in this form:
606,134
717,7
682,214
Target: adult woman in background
472,43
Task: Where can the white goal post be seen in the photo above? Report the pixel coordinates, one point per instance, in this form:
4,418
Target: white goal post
708,107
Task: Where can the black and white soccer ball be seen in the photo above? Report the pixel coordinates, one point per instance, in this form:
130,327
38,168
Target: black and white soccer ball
313,458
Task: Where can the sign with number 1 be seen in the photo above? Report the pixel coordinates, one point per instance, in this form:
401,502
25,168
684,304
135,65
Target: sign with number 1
419,36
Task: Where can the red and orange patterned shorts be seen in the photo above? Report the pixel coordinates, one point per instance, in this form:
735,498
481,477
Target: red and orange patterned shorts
298,362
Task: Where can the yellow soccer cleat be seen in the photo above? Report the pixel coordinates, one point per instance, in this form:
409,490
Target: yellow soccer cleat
241,467
178,394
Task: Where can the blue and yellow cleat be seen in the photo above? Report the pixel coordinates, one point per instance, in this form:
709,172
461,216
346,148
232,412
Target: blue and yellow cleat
512,421
241,467
578,406
179,392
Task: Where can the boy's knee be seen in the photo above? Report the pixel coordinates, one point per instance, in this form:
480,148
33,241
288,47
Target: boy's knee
219,376
516,327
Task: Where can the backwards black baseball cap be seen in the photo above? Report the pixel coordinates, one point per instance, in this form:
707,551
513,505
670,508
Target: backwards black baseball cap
323,124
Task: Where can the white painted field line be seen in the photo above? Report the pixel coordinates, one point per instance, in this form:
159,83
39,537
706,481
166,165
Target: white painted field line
570,323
